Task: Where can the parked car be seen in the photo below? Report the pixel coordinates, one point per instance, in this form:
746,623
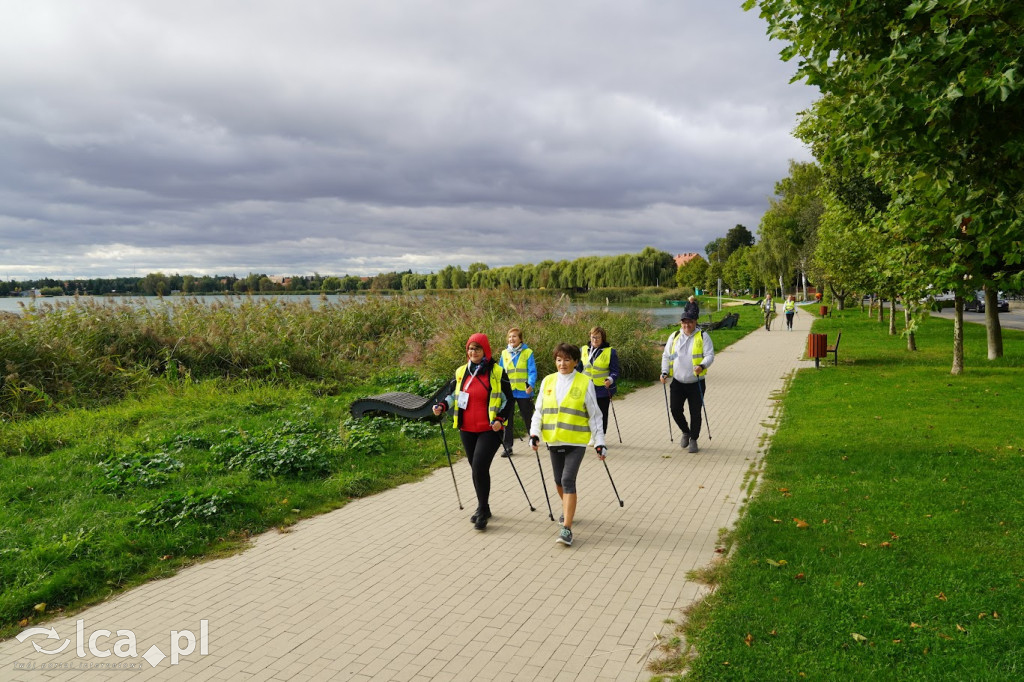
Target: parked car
978,304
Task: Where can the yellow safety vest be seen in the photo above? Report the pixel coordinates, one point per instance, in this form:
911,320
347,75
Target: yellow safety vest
598,369
494,403
566,422
518,371
790,306
697,349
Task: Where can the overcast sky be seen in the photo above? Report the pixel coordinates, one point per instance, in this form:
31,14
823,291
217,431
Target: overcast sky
357,137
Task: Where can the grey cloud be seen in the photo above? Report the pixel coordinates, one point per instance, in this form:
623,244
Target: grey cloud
356,136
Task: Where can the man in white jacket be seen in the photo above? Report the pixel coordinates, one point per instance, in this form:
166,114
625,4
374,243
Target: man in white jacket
688,354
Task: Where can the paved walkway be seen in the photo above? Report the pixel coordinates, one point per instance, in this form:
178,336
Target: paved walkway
399,586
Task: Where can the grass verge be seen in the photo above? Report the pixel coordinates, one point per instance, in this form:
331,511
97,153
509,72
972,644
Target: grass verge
94,501
885,538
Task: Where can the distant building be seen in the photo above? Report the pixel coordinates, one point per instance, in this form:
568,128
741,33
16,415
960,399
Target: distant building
684,258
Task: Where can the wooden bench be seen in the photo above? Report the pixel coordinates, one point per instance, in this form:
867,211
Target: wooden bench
834,349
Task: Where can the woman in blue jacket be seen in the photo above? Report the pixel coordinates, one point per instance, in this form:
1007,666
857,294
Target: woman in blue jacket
517,359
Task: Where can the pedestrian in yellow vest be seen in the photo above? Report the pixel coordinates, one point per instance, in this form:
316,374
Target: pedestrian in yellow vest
789,307
482,405
688,354
521,368
567,418
600,362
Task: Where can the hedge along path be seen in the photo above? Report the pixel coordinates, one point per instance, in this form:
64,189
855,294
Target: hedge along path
400,586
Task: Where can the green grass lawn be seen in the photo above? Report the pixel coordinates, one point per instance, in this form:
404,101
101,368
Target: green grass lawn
884,540
97,500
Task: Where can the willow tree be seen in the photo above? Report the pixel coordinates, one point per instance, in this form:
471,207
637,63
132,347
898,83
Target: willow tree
928,97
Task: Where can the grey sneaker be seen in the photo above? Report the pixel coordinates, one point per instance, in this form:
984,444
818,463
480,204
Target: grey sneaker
564,536
693,445
684,440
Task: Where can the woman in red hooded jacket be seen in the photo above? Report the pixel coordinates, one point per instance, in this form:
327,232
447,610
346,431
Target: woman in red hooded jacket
482,403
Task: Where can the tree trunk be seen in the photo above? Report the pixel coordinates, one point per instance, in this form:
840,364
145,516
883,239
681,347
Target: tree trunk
892,315
958,336
911,342
880,314
992,326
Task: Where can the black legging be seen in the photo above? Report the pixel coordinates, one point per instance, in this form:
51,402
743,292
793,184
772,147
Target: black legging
480,449
526,412
604,403
689,393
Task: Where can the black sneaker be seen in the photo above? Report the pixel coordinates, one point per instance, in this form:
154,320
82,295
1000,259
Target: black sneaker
684,440
565,536
507,453
481,522
476,514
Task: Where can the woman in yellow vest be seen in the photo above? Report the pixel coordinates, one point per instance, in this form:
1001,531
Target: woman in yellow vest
567,418
600,362
482,404
518,362
790,309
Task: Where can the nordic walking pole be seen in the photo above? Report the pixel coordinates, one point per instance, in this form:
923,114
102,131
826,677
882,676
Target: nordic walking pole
551,514
440,425
612,403
668,415
621,503
532,508
706,422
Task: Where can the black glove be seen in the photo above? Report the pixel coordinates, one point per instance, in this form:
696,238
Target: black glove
601,451
534,441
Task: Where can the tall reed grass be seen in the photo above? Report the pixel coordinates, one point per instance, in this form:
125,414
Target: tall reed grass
83,353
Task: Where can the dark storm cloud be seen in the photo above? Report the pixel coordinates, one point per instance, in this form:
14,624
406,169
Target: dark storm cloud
361,137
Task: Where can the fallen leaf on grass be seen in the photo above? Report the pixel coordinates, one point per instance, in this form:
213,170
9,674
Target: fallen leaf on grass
800,523
777,564
863,544
995,614
941,596
943,635
23,622
961,628
886,545
40,607
776,520
783,490
914,625
799,576
859,638
749,639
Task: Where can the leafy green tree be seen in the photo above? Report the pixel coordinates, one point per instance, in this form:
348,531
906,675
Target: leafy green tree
928,97
693,274
789,228
155,283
